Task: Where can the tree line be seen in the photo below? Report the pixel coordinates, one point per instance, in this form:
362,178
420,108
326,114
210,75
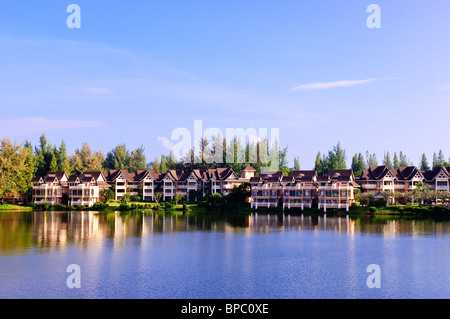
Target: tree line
19,163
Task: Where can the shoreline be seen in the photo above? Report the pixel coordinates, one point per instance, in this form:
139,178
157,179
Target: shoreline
233,208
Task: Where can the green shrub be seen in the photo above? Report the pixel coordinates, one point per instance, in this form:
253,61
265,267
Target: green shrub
124,206
373,209
99,206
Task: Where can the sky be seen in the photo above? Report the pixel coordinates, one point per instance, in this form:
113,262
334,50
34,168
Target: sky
136,71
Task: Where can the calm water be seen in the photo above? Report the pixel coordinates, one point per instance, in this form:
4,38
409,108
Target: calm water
137,255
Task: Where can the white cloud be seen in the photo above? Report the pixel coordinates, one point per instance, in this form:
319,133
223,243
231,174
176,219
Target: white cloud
98,90
330,85
165,142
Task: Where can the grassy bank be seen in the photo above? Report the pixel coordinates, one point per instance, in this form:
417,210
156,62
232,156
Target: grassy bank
15,207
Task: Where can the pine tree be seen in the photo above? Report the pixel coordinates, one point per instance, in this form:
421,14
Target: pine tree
424,163
296,163
387,160
63,159
318,165
396,161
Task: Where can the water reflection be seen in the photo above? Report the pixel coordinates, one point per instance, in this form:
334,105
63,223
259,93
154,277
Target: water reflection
21,231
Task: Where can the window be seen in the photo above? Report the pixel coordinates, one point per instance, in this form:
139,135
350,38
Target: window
273,193
286,193
306,193
292,193
441,183
299,193
343,193
327,193
265,193
335,193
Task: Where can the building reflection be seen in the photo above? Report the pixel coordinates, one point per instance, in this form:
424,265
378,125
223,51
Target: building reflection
59,229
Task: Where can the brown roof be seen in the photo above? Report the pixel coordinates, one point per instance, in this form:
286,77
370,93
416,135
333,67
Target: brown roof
73,179
248,168
36,180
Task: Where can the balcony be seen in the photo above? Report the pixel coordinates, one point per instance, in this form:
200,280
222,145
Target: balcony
43,201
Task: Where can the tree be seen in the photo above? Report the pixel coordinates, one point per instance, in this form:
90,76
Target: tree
396,161
240,193
358,164
404,161
54,167
337,158
214,199
296,163
435,161
118,158
177,197
125,198
371,159
106,195
424,163
441,158
44,156
157,197
13,170
318,165
85,160
137,160
63,159
387,160
155,165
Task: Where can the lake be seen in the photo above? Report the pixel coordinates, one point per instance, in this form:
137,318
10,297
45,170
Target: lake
151,255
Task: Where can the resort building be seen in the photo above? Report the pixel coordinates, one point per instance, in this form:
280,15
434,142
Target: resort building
381,178
336,189
299,190
50,188
124,182
86,190
273,190
438,178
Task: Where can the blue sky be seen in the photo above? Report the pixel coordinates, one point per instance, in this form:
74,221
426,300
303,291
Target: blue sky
136,71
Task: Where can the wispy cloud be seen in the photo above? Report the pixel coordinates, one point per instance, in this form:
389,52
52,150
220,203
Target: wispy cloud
98,90
165,142
330,85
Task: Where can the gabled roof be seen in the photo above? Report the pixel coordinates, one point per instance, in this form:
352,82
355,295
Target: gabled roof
248,168
430,175
73,179
94,177
54,177
304,176
116,173
287,179
255,179
37,179
407,173
375,173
